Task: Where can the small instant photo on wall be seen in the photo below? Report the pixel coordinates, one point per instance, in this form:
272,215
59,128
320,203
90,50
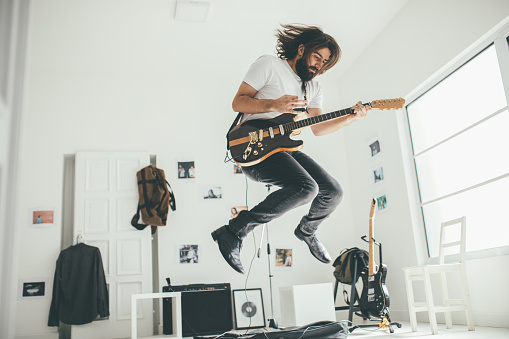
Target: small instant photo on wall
186,169
235,210
378,174
188,254
381,202
374,148
33,289
237,169
284,258
42,216
211,192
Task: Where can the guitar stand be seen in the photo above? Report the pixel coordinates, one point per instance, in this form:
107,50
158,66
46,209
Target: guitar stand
353,307
385,320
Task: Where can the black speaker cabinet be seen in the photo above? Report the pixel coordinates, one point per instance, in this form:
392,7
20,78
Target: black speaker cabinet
206,309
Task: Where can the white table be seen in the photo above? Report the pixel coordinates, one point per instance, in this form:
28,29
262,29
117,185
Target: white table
177,312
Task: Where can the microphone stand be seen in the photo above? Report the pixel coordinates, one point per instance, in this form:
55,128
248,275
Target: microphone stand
272,321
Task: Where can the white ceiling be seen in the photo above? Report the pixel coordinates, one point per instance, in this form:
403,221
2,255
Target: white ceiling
354,24
73,34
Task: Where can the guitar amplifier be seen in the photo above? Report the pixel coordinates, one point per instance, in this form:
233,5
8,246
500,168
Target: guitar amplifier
206,309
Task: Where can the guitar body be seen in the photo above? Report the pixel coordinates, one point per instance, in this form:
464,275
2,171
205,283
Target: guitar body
247,153
374,301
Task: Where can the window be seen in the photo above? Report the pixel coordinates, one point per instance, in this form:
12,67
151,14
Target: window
459,132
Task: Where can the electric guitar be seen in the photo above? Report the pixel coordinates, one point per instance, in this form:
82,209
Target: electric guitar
374,301
255,140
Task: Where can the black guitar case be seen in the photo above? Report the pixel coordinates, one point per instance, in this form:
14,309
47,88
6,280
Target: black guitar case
321,329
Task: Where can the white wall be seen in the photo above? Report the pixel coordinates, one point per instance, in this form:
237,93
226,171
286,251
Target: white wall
121,75
424,36
124,75
13,43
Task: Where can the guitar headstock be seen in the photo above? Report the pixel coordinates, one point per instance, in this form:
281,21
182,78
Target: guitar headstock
388,104
372,211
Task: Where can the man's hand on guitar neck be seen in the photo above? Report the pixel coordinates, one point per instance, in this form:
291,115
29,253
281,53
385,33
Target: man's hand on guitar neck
360,110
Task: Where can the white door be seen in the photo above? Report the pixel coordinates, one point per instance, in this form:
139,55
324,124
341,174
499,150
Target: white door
106,198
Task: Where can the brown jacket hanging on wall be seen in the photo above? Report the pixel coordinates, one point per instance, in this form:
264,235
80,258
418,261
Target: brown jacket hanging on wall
155,198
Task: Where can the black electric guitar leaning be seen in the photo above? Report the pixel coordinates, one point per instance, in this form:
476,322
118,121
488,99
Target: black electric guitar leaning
374,301
255,140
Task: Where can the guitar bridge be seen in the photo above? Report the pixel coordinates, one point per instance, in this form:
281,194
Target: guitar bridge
253,139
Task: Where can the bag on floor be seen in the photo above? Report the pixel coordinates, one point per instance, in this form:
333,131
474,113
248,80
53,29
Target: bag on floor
155,198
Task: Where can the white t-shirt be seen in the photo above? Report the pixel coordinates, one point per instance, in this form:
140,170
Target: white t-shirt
273,77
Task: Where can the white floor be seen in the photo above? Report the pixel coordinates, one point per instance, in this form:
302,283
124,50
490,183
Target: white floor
424,331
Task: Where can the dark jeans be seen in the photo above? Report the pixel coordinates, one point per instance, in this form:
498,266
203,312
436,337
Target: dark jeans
301,180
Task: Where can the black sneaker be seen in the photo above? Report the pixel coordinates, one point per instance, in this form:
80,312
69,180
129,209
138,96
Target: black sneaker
229,245
315,246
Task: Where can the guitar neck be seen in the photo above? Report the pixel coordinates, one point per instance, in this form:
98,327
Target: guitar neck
371,266
371,255
291,126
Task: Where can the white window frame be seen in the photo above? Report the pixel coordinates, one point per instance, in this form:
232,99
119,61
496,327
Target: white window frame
498,36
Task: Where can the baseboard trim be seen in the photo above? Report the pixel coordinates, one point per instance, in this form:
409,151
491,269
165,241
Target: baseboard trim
53,335
480,319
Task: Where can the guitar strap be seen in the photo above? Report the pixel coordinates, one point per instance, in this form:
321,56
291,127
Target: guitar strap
305,85
235,122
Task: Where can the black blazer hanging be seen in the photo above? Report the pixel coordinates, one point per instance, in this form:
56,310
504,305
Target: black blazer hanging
80,294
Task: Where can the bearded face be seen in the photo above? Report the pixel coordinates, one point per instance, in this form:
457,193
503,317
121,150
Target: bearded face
304,71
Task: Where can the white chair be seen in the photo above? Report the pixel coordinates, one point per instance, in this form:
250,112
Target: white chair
424,272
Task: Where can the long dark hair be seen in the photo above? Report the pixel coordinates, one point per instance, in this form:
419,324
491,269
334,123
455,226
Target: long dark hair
290,37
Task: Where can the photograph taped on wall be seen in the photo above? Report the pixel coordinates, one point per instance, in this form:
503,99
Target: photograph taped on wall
378,174
33,288
186,169
248,308
188,254
381,202
237,169
42,216
284,258
235,210
374,147
211,192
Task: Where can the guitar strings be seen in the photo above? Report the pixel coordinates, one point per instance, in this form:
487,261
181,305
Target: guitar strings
316,119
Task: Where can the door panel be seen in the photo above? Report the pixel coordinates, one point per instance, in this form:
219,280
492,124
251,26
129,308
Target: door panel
106,198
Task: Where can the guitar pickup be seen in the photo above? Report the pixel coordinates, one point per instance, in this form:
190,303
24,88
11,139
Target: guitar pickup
271,133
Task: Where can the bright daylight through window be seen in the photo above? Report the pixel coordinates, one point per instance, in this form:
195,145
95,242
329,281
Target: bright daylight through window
459,137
